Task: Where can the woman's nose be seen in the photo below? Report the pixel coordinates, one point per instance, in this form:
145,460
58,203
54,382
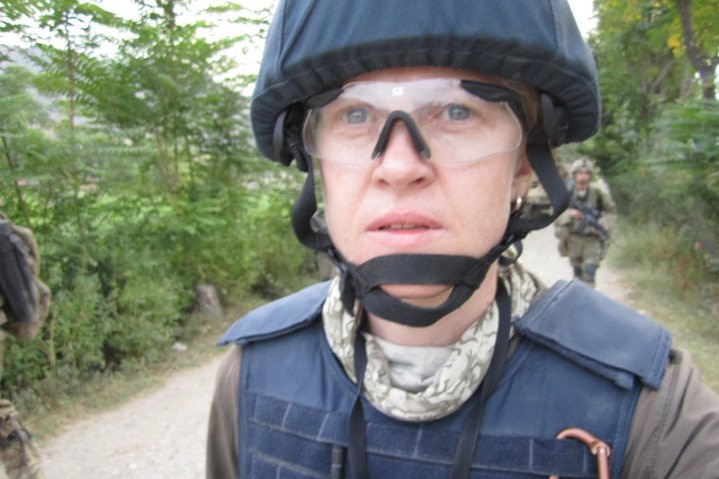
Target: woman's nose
401,161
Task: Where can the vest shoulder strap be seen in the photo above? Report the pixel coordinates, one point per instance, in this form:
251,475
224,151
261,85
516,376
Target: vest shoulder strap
591,329
278,317
569,318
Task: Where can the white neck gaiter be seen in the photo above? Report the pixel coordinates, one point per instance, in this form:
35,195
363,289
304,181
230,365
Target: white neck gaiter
418,383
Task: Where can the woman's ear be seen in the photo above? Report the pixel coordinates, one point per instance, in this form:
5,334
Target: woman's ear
522,176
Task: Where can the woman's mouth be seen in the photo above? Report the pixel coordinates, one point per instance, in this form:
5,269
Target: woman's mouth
400,227
403,222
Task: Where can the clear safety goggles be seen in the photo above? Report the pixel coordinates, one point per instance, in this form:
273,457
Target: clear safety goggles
450,121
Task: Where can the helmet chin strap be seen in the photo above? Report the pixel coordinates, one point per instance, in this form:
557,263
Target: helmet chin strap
363,282
465,274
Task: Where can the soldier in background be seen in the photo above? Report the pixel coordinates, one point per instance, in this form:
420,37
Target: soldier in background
24,303
583,229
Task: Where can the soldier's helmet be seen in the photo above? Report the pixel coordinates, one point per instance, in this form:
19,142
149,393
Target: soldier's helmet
582,164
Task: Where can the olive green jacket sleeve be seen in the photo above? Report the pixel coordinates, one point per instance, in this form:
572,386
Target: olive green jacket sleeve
221,458
675,432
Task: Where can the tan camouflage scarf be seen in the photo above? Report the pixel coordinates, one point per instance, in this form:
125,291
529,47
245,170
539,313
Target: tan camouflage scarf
424,383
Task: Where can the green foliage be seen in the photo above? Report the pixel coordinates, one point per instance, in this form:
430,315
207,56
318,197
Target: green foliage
277,259
69,345
689,155
675,183
13,13
658,143
667,283
123,291
661,262
690,148
639,71
138,176
147,304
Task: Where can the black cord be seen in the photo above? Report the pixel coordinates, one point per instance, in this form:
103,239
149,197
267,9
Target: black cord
357,453
464,453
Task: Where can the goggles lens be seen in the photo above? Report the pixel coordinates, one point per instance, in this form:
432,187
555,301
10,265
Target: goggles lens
456,125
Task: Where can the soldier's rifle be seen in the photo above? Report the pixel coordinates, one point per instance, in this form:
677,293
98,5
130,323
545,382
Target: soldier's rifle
590,217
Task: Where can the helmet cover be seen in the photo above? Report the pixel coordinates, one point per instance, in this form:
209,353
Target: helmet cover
314,45
582,164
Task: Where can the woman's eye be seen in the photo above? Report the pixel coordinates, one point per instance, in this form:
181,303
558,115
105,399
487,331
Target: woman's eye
356,116
457,112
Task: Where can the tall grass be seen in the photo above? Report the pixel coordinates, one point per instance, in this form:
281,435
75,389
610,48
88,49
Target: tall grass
671,284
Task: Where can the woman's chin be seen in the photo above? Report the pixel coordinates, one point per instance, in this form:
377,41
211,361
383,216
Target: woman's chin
426,296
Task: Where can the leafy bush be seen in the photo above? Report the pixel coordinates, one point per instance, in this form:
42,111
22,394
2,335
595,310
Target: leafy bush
70,342
139,181
145,317
122,270
279,262
675,183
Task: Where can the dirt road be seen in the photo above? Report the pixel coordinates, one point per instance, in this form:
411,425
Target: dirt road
161,435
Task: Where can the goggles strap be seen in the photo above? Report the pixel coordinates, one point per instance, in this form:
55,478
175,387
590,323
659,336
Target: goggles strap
497,94
287,143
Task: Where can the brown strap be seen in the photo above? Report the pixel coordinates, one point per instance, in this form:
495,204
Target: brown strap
596,446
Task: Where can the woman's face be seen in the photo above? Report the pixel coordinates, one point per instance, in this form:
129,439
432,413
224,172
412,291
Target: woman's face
402,202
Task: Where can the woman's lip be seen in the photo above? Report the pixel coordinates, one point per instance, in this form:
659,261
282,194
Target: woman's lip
403,222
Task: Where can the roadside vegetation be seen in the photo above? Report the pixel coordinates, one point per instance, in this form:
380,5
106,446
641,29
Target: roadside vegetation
673,288
658,149
125,146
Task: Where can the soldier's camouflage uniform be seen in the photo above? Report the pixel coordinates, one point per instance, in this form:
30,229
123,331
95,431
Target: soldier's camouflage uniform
579,240
21,317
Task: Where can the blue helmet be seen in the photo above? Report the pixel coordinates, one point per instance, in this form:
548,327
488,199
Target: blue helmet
315,45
